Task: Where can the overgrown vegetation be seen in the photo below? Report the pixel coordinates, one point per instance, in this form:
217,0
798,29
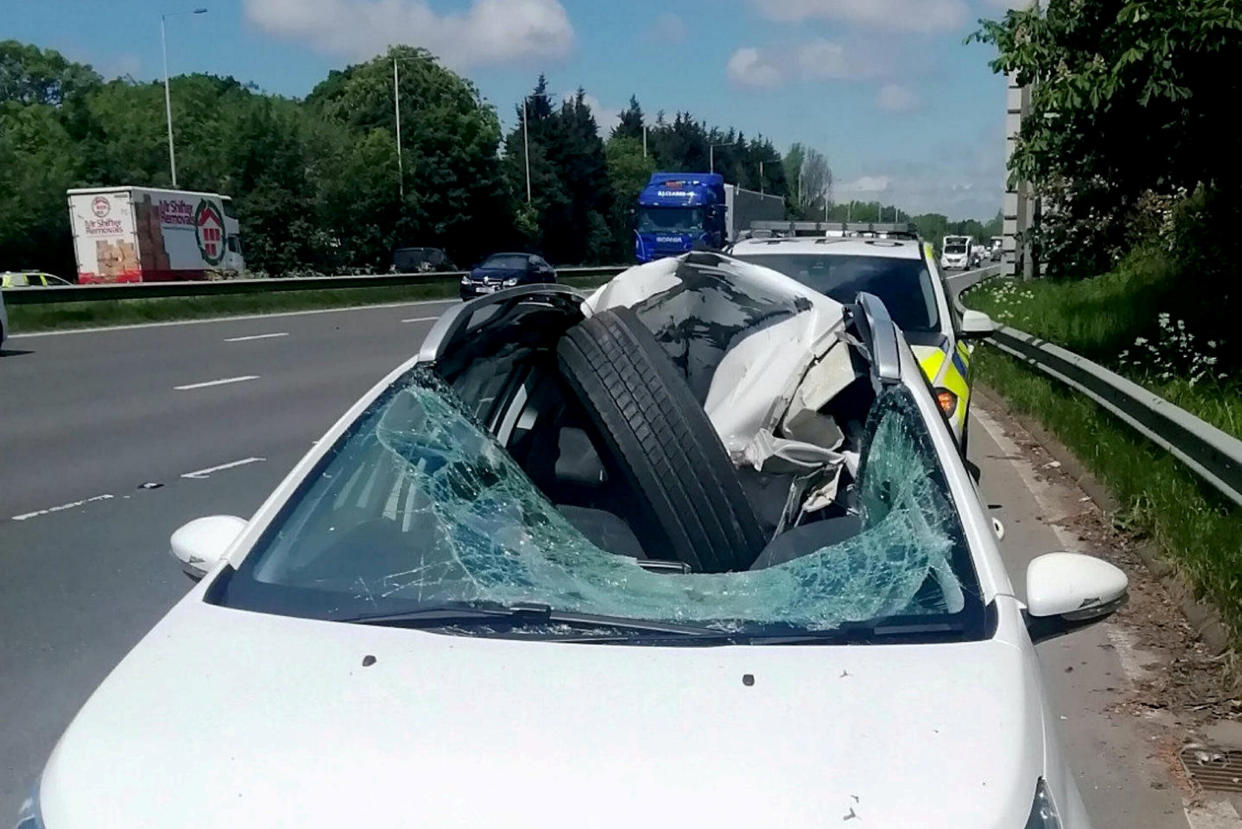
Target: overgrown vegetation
1198,531
1132,109
1121,320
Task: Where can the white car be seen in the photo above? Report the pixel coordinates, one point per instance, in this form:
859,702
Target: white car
903,274
955,252
531,579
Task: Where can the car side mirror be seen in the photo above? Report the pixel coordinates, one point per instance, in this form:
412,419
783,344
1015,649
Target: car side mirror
1068,591
200,544
976,325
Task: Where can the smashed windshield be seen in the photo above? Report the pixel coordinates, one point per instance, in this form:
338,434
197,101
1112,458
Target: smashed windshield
903,285
417,507
670,219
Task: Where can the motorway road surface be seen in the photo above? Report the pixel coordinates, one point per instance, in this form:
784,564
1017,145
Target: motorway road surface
111,439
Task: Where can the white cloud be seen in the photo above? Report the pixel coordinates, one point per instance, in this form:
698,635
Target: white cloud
606,117
901,15
864,185
813,60
748,67
667,28
489,31
962,178
822,58
893,97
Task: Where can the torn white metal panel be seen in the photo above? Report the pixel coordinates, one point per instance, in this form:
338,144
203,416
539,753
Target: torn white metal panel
634,285
745,337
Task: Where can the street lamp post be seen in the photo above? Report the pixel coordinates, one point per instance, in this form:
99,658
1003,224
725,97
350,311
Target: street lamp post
396,102
172,155
526,149
711,156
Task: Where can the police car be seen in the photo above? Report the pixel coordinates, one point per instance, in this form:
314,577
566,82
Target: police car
30,279
903,273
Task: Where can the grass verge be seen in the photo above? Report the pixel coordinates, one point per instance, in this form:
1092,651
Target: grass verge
1198,532
1102,318
31,318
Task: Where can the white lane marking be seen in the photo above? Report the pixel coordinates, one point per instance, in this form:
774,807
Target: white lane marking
256,337
61,508
200,474
238,318
421,319
1039,489
1123,643
1125,647
210,383
1211,814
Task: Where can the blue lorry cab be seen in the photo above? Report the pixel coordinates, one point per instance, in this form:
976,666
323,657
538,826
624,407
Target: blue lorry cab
677,212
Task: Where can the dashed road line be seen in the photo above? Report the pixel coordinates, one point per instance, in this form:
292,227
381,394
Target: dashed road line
62,507
237,318
256,337
210,383
200,474
421,319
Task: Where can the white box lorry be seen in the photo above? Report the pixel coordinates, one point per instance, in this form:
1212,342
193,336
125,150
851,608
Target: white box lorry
145,234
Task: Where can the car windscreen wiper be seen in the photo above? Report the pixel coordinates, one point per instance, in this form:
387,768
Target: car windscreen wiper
886,631
522,615
880,631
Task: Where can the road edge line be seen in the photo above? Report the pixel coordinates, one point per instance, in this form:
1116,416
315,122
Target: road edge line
96,329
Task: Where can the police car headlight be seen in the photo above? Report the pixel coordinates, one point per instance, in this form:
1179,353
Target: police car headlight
947,401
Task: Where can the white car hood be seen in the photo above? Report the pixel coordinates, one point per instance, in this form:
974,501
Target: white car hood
231,718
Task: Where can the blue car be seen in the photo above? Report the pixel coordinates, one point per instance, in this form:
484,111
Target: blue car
505,270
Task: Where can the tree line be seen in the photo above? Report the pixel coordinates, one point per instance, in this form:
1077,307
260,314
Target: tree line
315,181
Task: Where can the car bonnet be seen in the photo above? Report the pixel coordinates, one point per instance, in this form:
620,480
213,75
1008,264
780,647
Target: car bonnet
223,717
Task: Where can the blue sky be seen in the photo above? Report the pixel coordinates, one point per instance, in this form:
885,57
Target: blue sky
905,112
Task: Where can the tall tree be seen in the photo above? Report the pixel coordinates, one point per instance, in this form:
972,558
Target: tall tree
631,122
452,176
1128,98
30,75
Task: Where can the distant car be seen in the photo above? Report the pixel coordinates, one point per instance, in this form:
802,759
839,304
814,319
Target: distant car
30,279
506,270
955,252
903,274
421,260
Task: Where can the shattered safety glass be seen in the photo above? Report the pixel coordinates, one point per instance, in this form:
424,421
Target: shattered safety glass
416,507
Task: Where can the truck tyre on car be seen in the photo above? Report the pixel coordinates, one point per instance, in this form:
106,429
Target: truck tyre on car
663,443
